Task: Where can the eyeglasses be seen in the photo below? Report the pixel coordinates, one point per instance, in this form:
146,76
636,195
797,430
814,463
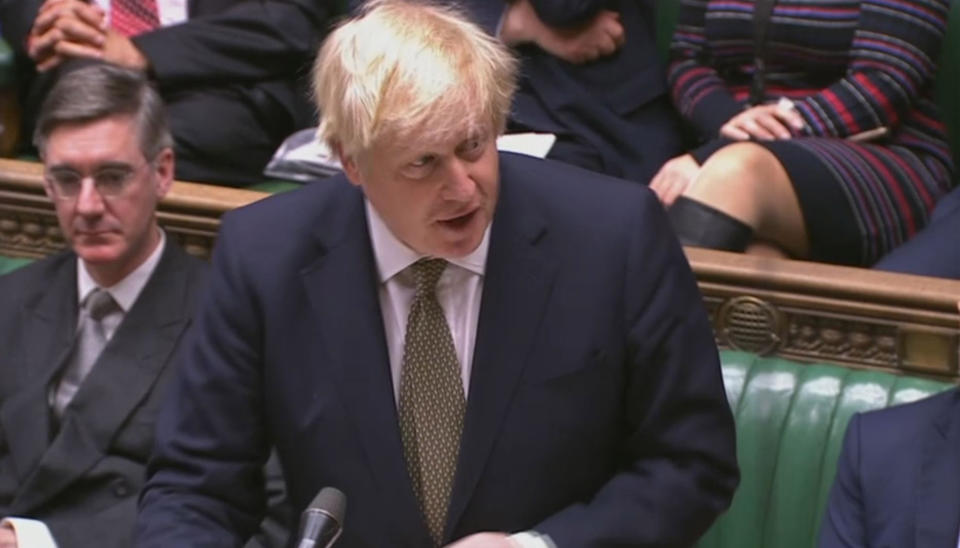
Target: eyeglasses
110,181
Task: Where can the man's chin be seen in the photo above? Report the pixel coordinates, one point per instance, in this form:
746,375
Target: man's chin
97,253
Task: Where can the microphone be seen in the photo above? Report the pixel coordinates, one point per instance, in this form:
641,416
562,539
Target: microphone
321,522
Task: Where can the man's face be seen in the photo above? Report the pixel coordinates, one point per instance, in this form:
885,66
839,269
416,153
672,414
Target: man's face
436,198
108,228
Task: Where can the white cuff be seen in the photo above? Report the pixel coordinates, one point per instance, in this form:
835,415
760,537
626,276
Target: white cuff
31,533
531,539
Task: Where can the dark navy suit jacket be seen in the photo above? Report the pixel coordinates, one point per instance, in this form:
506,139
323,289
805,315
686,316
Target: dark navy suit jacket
898,478
617,105
233,76
596,412
935,250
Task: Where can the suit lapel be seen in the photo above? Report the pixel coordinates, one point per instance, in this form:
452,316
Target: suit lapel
47,334
343,290
122,377
938,489
516,287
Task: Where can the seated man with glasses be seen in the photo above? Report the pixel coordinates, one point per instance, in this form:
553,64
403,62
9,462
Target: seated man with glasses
89,336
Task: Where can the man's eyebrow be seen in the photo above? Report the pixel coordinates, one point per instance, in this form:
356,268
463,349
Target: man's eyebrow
98,167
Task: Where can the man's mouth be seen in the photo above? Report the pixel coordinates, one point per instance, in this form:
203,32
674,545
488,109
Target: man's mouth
460,221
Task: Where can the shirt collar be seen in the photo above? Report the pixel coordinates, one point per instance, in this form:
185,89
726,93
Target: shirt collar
394,256
126,291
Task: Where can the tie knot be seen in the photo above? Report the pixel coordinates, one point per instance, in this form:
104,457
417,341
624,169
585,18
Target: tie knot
100,304
427,272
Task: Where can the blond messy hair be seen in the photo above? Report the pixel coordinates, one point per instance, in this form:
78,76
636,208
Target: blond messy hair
404,68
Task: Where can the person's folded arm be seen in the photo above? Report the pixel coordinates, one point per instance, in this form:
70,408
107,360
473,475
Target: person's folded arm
699,93
893,62
250,42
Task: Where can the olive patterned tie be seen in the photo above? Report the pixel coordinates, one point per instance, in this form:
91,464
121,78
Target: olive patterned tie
432,402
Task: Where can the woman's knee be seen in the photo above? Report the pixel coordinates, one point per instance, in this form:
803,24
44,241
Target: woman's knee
736,171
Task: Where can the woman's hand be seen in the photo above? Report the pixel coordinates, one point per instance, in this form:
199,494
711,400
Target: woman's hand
763,122
674,178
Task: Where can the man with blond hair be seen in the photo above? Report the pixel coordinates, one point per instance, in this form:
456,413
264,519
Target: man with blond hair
476,348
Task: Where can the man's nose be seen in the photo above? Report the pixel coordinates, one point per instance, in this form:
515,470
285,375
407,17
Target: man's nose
89,200
459,185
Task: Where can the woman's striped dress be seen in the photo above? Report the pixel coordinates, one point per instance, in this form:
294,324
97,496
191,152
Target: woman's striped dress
850,67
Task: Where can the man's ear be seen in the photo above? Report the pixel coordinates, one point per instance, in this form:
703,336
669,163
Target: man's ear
349,163
163,170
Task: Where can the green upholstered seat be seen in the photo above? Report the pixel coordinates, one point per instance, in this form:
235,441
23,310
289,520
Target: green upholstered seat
274,186
948,80
9,264
7,66
791,418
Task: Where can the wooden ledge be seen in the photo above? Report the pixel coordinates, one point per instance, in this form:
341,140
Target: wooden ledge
795,309
832,314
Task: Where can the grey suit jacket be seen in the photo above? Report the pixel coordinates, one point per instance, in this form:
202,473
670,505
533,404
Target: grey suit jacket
83,479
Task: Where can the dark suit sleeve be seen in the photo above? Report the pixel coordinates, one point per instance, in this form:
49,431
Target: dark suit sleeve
16,20
679,470
843,524
275,527
214,410
566,13
252,41
699,93
554,13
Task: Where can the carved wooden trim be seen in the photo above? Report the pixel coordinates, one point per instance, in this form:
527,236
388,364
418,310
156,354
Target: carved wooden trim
831,314
799,310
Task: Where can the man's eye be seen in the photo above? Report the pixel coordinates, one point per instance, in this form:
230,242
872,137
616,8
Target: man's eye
423,161
111,179
471,147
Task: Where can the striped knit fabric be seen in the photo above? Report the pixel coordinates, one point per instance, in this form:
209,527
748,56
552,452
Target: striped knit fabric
850,66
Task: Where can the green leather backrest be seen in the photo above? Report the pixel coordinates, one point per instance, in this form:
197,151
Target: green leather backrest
948,77
948,80
791,419
7,66
8,264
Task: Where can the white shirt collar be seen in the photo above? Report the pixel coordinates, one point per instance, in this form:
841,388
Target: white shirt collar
393,256
126,291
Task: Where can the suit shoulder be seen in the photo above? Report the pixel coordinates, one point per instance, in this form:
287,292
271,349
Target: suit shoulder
293,211
568,182
31,280
577,195
892,424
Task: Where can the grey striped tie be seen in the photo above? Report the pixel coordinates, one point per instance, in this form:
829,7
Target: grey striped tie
432,402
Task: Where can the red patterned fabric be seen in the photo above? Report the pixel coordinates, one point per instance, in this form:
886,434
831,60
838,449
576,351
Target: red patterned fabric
133,17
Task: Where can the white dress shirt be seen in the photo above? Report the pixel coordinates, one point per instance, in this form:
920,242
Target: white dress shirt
459,291
33,533
170,12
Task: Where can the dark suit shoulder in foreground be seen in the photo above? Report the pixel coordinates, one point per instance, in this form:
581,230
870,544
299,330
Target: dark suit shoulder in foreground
898,478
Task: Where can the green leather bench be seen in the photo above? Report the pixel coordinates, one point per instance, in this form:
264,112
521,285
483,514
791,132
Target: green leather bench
8,264
791,418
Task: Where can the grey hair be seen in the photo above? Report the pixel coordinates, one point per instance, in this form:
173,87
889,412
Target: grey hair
99,90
